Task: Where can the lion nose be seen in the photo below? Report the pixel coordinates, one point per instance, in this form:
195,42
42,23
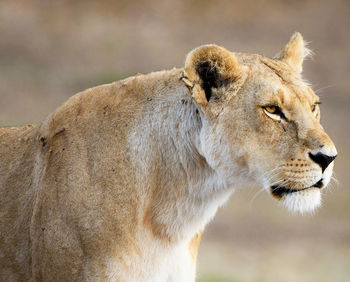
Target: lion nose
322,160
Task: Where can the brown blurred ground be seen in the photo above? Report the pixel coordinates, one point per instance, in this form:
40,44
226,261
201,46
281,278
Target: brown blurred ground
50,50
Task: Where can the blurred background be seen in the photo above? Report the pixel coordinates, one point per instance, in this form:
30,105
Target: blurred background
49,50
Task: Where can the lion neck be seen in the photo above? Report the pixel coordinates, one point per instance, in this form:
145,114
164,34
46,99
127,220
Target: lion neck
182,191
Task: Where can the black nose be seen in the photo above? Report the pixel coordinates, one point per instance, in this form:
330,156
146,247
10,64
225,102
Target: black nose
322,160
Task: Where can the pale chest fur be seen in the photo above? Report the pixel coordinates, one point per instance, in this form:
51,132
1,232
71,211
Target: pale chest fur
153,258
154,261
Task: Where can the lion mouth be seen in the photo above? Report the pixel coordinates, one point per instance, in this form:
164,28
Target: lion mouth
280,191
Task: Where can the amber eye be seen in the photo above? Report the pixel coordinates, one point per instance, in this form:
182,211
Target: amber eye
271,109
313,108
274,112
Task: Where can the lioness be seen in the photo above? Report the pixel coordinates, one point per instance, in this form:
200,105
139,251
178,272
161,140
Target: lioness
119,182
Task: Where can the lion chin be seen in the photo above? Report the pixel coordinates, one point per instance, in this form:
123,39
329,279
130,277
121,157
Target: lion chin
303,202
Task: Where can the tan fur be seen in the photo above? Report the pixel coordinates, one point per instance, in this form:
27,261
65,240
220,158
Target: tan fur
194,245
217,56
117,183
294,52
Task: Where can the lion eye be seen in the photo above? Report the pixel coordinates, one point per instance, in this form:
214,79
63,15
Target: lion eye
274,112
271,109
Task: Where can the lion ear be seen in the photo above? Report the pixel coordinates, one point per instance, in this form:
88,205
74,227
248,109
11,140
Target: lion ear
207,68
294,52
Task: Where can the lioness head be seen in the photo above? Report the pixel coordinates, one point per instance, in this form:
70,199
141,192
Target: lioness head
261,121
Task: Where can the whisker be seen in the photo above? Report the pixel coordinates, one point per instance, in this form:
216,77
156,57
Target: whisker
332,185
323,88
272,174
255,196
286,182
334,180
281,183
272,170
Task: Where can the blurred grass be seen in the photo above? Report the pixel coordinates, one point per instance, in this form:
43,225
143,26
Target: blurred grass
217,278
51,50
